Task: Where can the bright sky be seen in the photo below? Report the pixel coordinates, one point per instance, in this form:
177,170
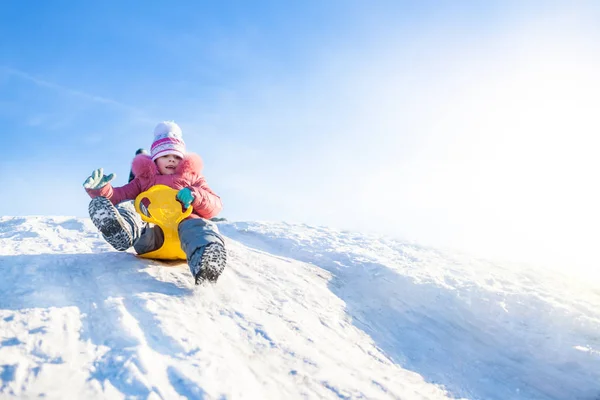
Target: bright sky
471,126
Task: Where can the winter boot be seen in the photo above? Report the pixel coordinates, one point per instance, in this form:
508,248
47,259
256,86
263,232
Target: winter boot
208,262
115,230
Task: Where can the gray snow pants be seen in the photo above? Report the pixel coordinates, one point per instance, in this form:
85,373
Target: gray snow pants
194,233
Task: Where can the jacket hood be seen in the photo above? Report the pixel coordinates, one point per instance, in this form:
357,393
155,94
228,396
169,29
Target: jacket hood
189,168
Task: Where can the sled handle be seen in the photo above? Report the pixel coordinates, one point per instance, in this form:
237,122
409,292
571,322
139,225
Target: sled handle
164,208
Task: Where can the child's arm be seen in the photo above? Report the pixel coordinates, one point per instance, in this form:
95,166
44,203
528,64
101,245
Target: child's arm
117,194
206,203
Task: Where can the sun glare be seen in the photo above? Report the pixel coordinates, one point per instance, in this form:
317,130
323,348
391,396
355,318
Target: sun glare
509,168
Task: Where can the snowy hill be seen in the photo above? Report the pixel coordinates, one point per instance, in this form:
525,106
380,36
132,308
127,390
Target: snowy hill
300,312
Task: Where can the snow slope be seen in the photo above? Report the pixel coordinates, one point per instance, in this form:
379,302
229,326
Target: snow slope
300,312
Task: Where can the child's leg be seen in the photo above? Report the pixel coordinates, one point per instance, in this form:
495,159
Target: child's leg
145,237
151,238
120,226
204,248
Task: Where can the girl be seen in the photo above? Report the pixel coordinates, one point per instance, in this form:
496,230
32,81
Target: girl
168,164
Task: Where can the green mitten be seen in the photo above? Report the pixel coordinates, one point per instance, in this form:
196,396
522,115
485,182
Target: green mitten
97,180
185,196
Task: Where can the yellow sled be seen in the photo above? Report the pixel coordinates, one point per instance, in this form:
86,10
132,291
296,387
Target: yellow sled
165,211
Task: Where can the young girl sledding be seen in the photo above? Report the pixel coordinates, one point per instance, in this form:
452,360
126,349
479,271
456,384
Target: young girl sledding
168,164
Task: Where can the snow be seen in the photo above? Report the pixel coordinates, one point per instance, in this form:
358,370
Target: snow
300,312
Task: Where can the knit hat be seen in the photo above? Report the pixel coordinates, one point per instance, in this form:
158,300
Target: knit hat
167,140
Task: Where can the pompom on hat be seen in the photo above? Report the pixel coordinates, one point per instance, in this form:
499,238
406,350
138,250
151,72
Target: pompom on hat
167,140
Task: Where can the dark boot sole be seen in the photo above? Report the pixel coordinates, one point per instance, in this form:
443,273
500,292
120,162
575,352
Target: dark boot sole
214,259
108,221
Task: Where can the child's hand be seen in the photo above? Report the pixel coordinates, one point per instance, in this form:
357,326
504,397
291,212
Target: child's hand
97,180
185,196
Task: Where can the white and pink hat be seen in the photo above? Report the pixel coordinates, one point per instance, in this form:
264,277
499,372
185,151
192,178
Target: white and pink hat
167,140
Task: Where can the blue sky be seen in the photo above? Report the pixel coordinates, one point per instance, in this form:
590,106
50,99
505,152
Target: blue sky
469,126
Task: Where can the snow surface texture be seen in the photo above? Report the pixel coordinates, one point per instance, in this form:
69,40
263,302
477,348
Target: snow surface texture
300,312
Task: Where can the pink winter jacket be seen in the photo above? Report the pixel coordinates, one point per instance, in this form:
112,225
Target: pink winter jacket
206,203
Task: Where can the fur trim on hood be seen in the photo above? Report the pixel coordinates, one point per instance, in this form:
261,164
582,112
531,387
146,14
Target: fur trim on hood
189,168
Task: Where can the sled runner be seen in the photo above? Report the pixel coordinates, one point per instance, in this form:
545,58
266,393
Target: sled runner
161,208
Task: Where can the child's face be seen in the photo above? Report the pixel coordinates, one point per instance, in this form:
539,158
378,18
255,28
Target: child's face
167,164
